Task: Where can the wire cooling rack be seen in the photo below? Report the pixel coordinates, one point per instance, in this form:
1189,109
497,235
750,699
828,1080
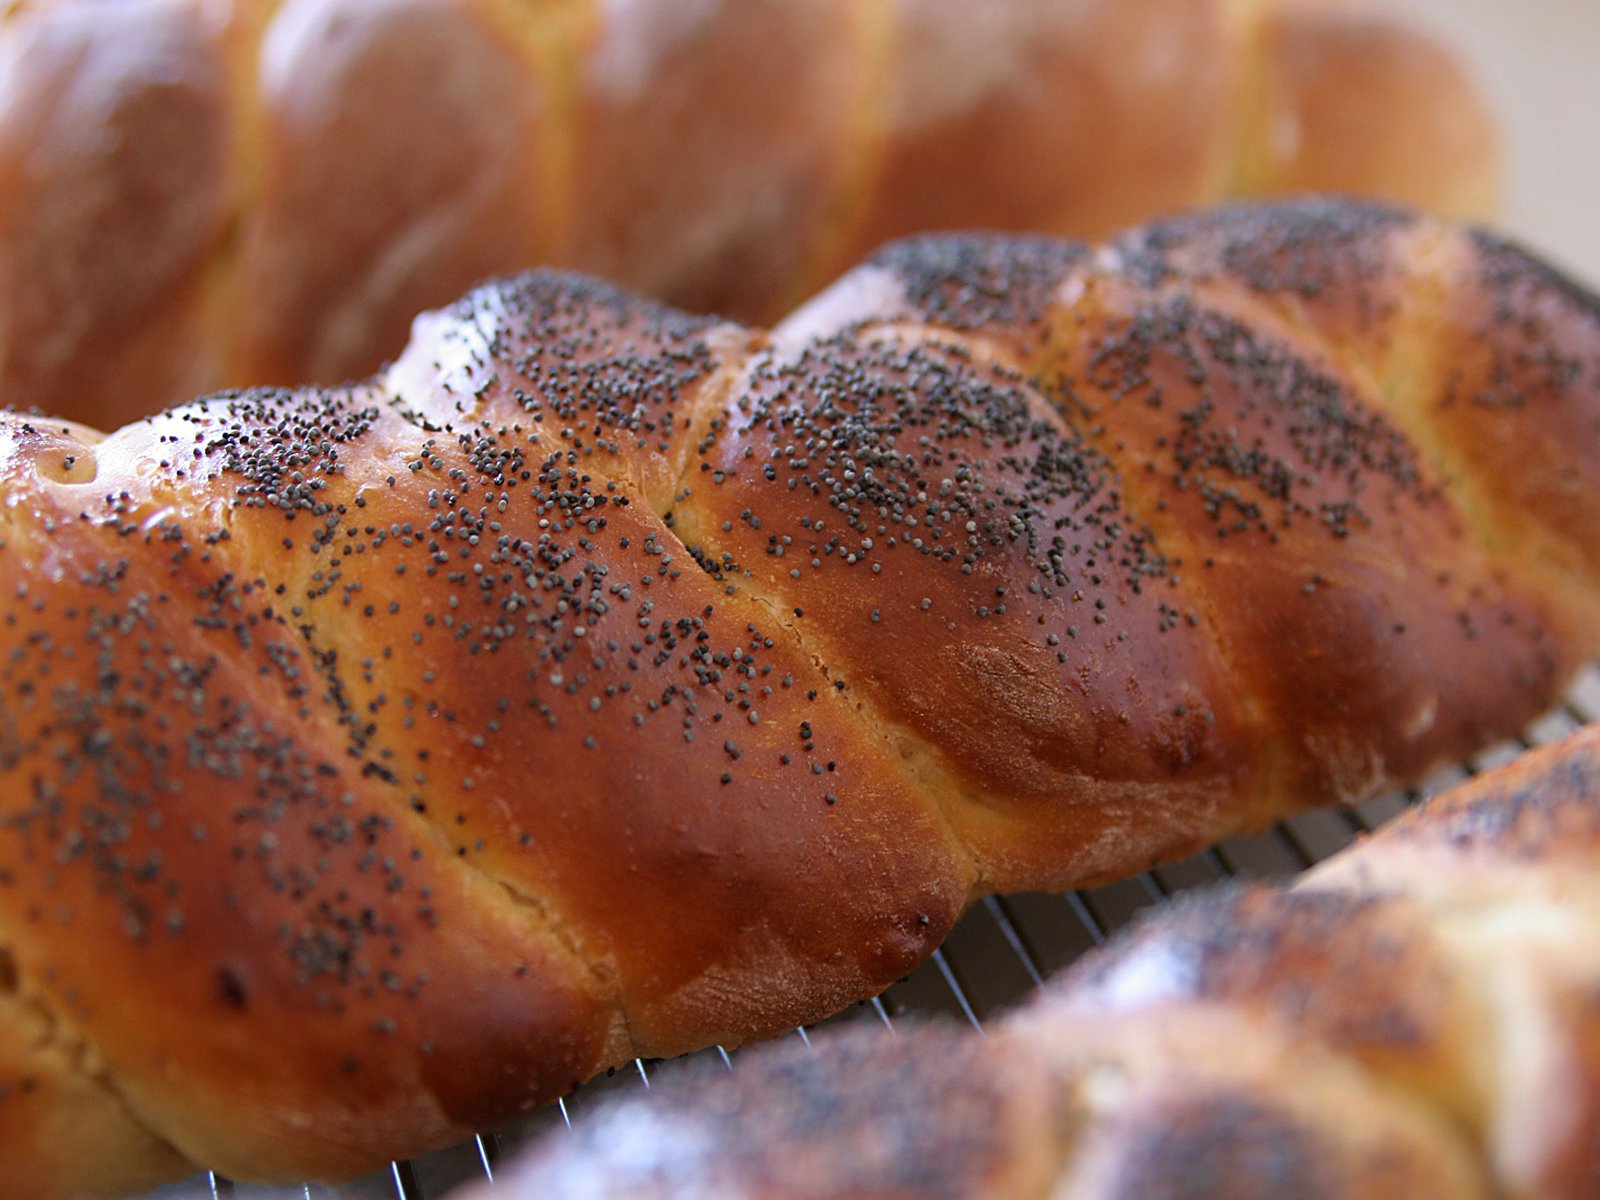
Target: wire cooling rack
993,959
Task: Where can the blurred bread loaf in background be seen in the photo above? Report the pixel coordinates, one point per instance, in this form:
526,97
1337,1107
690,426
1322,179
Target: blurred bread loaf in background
207,193
1534,62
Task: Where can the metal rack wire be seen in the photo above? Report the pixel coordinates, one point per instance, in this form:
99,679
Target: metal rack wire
996,955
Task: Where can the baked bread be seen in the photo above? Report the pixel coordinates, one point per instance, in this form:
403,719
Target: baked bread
600,681
1417,1016
207,193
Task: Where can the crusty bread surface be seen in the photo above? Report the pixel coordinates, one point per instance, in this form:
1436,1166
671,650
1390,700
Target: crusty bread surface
1416,1016
598,681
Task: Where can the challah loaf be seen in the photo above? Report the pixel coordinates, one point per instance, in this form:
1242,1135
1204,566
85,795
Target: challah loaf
1419,1016
600,681
199,193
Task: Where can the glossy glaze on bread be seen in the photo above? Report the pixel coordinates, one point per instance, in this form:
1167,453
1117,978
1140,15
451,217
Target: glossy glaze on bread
1416,1016
601,681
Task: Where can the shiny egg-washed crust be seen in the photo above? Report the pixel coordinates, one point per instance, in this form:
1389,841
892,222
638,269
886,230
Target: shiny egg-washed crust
1415,1017
600,681
206,193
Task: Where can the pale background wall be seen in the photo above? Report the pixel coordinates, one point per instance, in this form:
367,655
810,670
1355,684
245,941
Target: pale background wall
1539,61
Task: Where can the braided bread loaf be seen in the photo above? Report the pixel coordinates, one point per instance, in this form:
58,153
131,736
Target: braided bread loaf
1419,1016
199,193
601,682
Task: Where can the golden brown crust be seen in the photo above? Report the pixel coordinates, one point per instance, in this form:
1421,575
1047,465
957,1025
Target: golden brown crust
708,152
117,140
602,680
1240,370
1416,1017
971,92
1342,101
716,754
1503,331
383,185
961,556
1250,456
344,929
198,193
54,1106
